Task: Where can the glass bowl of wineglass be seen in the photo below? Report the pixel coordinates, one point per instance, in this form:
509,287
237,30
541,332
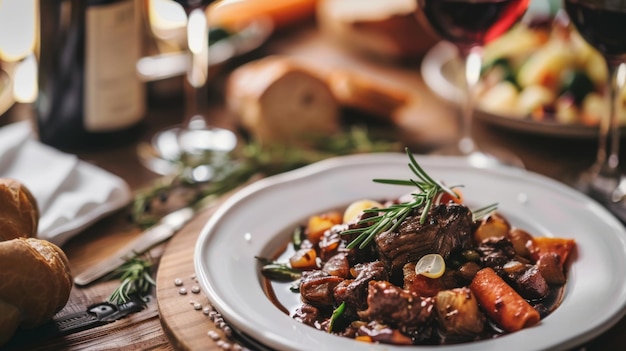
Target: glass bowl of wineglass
601,24
469,25
196,140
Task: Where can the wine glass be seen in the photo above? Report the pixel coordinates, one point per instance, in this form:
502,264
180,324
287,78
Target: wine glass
194,140
601,24
469,25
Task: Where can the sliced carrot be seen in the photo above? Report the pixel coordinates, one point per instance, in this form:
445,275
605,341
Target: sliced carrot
501,302
542,245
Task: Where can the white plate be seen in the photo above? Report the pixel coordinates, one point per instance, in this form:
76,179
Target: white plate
438,71
258,220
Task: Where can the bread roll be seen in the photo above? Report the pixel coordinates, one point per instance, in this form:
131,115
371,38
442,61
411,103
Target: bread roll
19,214
280,101
35,283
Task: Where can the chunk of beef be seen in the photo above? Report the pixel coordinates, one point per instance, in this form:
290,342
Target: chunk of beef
495,252
332,242
448,229
307,314
354,292
529,282
389,304
316,288
384,334
338,265
551,268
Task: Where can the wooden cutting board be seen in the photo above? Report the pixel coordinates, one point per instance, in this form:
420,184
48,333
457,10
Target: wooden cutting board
187,328
187,317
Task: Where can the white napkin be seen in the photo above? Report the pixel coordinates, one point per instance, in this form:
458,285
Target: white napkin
71,194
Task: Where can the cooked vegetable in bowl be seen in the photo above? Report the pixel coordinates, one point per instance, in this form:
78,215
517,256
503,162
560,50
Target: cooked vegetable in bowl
421,269
545,72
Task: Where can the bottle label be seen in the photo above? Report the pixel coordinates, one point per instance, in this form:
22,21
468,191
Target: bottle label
114,95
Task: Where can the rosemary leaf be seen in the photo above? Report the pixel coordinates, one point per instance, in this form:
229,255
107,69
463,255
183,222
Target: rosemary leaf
483,211
135,280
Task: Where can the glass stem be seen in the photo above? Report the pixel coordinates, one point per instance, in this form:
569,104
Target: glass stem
607,162
197,73
473,61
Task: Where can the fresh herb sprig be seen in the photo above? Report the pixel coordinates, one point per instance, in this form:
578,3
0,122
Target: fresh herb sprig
136,280
389,218
247,161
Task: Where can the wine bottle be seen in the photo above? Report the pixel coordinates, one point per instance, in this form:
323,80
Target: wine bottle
90,95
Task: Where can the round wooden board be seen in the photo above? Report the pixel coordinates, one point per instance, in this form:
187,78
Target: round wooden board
187,328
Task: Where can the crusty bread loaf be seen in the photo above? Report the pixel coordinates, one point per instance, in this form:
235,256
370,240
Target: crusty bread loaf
35,283
279,101
19,214
385,29
366,94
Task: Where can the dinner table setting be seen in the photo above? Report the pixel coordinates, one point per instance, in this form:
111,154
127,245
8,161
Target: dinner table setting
174,234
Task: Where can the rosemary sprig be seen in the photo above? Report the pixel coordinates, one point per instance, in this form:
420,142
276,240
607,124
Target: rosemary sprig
238,167
390,218
136,280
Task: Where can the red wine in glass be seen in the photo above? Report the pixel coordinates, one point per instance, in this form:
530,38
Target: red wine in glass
469,25
472,23
602,24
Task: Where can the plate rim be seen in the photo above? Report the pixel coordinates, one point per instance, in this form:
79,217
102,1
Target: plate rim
343,161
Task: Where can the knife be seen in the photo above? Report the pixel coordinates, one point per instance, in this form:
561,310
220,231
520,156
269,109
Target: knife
93,316
167,226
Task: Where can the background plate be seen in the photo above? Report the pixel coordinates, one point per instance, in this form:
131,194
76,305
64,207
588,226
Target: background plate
438,71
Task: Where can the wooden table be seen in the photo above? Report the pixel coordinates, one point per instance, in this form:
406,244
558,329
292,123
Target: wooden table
172,323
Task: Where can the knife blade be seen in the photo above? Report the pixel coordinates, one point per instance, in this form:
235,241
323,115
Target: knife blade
167,226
